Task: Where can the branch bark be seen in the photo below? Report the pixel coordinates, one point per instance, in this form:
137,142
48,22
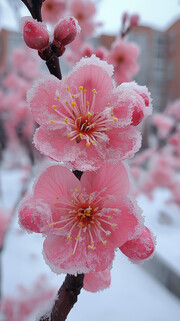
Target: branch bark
66,298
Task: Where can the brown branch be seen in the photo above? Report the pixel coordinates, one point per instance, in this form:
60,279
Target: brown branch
66,298
34,7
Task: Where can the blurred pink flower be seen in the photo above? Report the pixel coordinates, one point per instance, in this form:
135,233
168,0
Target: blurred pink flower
27,301
5,217
84,11
123,56
53,10
164,125
84,119
84,221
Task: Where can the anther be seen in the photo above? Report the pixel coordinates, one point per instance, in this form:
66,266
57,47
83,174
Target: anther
52,121
54,107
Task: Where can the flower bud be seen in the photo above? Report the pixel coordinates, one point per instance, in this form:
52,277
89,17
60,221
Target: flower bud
35,34
134,20
65,31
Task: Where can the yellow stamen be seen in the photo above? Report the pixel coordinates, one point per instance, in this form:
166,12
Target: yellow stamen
68,89
112,114
94,91
52,121
66,120
89,114
54,106
88,144
76,190
58,97
57,197
68,238
73,104
104,243
81,88
107,128
85,91
115,119
87,103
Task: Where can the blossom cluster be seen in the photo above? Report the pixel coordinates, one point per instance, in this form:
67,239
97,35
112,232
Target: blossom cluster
91,125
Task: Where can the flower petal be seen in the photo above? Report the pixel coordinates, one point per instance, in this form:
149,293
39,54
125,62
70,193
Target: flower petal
141,247
57,254
112,177
56,181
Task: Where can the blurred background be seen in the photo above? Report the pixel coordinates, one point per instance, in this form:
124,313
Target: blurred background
147,292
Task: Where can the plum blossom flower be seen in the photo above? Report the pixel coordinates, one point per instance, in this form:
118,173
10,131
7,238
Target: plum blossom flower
123,56
84,11
83,221
53,10
84,119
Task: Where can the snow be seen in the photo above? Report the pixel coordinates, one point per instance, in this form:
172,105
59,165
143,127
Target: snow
134,295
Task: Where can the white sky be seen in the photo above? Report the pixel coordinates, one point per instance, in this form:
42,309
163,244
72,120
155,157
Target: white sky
156,13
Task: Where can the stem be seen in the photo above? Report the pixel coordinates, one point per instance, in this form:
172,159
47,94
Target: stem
66,298
54,67
34,7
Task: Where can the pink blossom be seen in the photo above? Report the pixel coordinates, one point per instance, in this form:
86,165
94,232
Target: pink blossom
97,281
123,56
53,10
84,221
35,34
84,11
27,301
141,247
164,124
134,20
4,224
84,119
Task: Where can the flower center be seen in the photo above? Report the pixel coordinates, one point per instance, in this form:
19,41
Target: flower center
120,59
49,6
85,218
82,122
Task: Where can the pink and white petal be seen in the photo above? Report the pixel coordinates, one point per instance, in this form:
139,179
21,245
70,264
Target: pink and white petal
114,178
56,181
54,144
58,255
97,281
34,214
141,247
127,219
92,73
42,96
123,144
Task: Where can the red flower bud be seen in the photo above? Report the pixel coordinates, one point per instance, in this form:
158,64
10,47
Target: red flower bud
35,34
134,20
65,31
